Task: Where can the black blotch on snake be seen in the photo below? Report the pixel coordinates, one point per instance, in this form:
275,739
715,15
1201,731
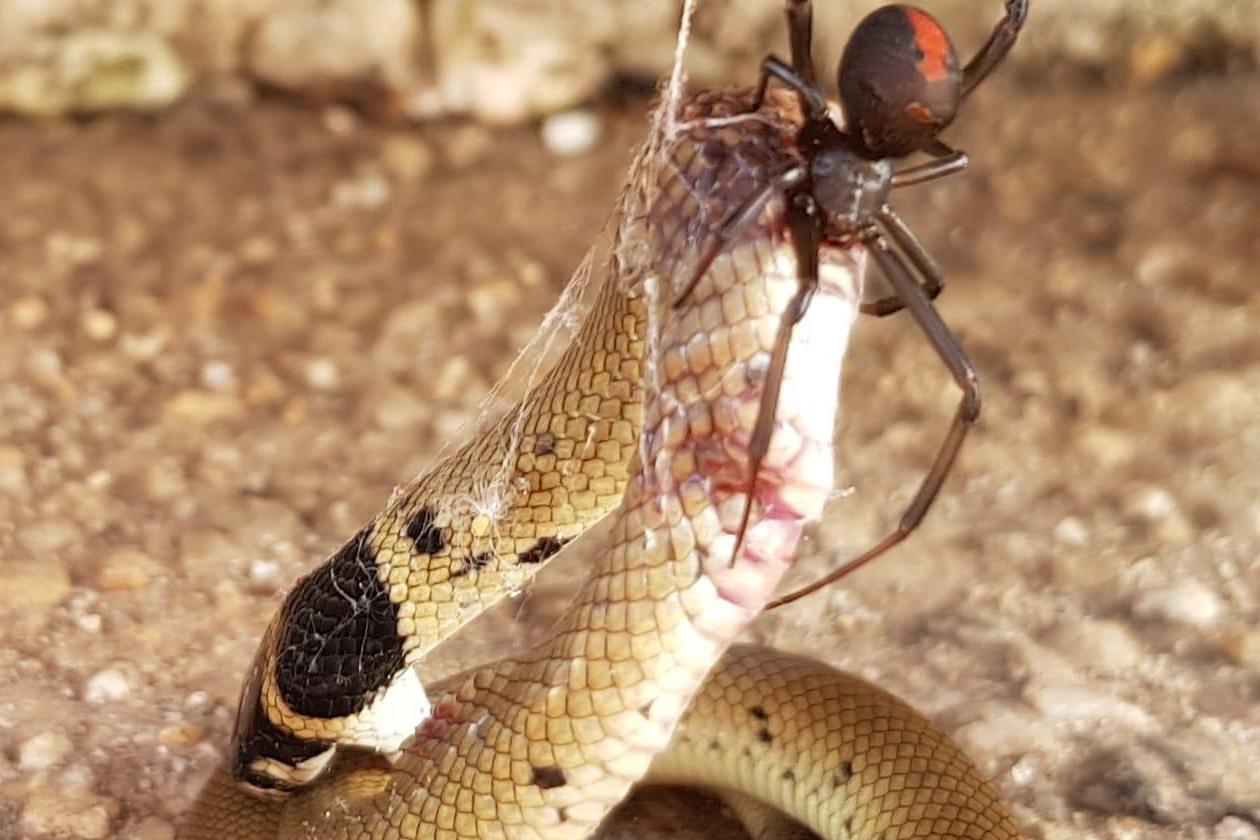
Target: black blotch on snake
422,531
339,644
544,548
843,774
547,777
474,564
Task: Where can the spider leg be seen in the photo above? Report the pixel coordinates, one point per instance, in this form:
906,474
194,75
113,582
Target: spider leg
813,103
933,277
804,223
800,18
948,162
995,49
947,348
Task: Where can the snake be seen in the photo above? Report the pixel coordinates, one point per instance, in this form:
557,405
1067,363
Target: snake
643,422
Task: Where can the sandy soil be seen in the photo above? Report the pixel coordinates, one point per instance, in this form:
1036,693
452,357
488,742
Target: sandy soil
227,334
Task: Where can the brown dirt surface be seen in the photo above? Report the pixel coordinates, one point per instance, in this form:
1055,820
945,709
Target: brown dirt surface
227,334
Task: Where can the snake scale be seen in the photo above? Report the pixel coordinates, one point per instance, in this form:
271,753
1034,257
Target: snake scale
644,419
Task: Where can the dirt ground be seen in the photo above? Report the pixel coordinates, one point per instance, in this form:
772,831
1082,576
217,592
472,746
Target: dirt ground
227,334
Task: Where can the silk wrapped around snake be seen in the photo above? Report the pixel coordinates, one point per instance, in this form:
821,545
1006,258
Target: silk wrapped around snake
645,418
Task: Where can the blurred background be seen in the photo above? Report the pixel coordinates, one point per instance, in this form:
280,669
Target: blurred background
259,259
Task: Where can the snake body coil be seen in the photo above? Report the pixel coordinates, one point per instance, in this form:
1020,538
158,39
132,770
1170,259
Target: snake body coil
649,412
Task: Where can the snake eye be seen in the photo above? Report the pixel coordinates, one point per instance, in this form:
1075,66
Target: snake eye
899,81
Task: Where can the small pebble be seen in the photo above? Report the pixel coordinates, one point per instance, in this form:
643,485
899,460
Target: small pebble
13,471
31,585
571,133
406,157
48,535
1070,530
259,250
150,828
1234,828
1084,705
218,375
1103,646
321,374
106,685
45,750
99,325
28,313
340,120
467,145
127,569
181,735
1155,58
1188,602
1242,646
196,406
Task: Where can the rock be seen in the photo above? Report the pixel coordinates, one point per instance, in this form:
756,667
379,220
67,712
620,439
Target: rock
571,132
466,146
1234,828
45,750
1241,645
90,70
1188,602
1107,647
322,375
336,43
259,250
150,828
1084,705
106,685
1071,531
28,312
366,191
32,585
99,324
48,535
70,813
406,157
13,472
181,735
218,375
127,569
201,407
1155,58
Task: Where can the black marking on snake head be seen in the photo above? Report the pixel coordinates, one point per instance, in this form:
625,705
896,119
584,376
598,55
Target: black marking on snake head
843,774
547,777
848,827
546,444
543,549
715,744
788,775
763,735
758,712
422,530
338,643
474,564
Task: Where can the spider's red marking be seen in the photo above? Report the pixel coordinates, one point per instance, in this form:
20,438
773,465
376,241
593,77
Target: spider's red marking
932,41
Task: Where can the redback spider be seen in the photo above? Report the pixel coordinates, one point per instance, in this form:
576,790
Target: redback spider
900,86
